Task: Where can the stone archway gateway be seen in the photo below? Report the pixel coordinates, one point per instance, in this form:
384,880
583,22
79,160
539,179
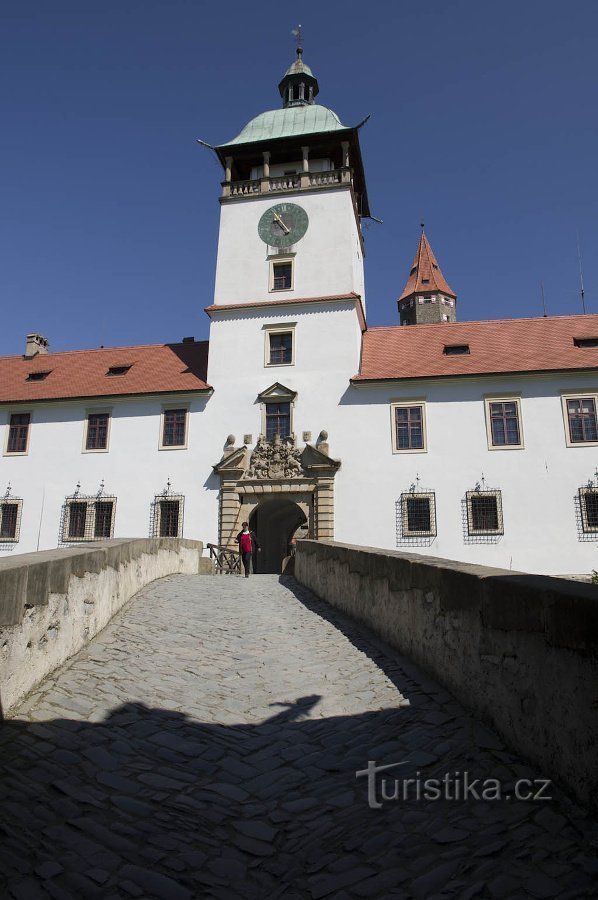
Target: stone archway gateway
276,482
275,520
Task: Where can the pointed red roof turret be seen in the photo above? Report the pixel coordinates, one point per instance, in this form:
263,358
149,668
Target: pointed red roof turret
425,276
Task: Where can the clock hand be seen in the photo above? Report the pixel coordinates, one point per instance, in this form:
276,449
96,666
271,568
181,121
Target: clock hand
281,223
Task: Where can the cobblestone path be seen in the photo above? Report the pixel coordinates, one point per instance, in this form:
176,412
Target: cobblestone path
206,745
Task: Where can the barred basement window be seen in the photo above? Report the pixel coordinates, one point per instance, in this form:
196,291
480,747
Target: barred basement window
484,513
588,502
87,517
166,518
419,514
10,519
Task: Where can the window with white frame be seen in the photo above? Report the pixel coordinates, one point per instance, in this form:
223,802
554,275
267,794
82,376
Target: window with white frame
173,428
10,519
281,274
17,439
97,430
408,427
579,413
503,423
167,514
279,347
484,512
88,518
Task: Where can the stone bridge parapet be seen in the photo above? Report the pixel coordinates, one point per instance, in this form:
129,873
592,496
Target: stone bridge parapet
521,651
54,602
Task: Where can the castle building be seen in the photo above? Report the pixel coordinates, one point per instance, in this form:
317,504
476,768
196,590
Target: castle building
474,441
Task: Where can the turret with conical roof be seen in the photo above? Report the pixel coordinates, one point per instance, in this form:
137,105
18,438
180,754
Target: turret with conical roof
427,297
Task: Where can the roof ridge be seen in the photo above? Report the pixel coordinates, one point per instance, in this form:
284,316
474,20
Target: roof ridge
54,354
444,325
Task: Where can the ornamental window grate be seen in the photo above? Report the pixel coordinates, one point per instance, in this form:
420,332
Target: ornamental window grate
10,519
586,510
167,514
87,517
482,515
415,513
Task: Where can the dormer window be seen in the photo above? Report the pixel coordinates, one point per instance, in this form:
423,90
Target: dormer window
456,349
118,370
38,376
425,281
586,342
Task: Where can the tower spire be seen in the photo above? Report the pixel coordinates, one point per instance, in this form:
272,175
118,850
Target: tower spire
427,297
299,85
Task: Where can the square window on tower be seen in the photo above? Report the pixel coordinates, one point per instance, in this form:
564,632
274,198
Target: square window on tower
281,275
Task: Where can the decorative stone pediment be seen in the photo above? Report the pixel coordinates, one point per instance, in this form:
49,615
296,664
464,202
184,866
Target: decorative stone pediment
314,459
233,463
277,393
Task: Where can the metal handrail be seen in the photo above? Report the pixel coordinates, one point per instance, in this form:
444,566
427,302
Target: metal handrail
228,562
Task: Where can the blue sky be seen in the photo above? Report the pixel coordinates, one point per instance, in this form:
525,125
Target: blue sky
483,123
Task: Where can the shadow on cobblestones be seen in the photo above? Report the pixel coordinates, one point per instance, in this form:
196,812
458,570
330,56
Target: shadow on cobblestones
150,804
236,777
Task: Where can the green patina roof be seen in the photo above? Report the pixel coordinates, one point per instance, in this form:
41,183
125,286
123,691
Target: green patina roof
289,122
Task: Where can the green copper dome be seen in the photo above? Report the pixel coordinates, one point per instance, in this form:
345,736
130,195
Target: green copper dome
290,121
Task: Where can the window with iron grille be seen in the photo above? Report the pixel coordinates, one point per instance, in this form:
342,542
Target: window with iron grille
281,348
581,416
10,520
484,513
419,514
97,431
588,501
278,420
18,433
88,519
409,433
167,514
282,276
169,518
504,421
174,428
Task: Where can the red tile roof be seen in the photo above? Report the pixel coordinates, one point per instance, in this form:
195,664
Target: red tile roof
425,276
255,304
159,368
495,346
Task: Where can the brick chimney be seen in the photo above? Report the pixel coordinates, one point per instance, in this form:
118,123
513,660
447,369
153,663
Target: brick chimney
35,344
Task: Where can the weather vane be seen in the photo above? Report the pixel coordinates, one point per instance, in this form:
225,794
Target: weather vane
298,34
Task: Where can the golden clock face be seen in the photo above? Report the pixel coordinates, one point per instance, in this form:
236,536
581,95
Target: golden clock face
283,225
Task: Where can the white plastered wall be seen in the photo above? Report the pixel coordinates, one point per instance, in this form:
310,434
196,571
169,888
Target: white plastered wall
539,483
328,260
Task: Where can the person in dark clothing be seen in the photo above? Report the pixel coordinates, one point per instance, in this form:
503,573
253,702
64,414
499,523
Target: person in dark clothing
248,547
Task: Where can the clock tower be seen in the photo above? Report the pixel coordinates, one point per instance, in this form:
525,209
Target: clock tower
292,200
287,316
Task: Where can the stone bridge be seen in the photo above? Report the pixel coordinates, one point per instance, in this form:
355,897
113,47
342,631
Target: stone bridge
214,740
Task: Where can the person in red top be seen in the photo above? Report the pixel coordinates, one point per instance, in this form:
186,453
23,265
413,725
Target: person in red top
248,546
